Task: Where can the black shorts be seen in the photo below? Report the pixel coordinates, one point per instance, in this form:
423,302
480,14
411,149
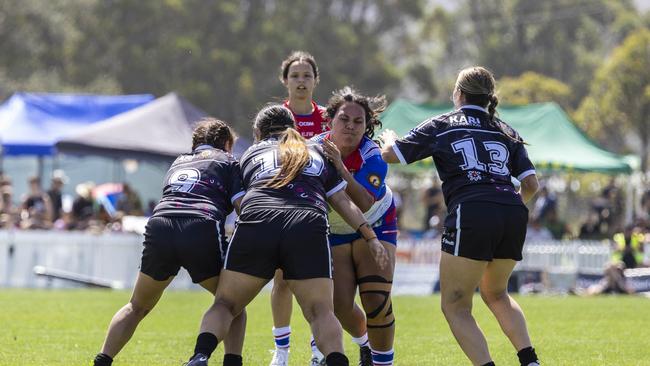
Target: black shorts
294,240
485,231
193,243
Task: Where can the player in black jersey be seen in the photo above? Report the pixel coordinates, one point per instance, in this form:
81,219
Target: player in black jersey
476,155
283,224
186,230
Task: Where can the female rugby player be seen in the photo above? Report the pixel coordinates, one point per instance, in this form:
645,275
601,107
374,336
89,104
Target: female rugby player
353,119
186,230
283,224
476,155
299,74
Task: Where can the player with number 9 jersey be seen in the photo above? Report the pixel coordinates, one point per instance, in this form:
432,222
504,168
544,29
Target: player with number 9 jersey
186,230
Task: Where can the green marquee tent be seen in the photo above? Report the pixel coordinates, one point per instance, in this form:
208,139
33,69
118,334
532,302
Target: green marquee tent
555,143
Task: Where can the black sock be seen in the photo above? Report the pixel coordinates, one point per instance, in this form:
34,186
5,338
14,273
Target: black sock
527,355
491,363
230,359
337,359
206,343
103,359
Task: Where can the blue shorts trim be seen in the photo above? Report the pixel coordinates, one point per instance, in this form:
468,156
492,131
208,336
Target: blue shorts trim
385,232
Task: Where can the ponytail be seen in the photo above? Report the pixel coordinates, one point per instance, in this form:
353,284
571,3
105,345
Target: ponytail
293,156
493,101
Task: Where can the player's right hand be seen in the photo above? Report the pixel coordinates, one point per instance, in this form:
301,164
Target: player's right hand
379,253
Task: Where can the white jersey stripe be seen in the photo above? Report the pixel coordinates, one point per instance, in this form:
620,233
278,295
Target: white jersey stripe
457,246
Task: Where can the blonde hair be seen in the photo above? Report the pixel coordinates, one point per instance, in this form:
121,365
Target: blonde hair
293,155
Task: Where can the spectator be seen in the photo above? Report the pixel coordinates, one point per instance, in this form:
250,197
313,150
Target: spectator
36,208
9,216
613,282
545,202
56,194
591,229
129,202
82,206
558,228
628,247
537,232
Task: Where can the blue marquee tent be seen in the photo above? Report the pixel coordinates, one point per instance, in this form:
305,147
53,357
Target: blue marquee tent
31,123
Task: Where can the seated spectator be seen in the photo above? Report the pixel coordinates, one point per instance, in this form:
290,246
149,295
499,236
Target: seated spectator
82,207
36,208
613,282
129,202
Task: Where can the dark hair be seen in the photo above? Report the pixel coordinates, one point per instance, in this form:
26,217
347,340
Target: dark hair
372,106
293,154
213,132
478,85
298,56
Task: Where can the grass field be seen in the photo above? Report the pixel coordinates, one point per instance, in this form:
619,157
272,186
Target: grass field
67,328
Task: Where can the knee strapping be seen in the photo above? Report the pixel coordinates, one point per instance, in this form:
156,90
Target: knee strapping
375,295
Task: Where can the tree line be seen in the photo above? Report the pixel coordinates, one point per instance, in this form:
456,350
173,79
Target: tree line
590,56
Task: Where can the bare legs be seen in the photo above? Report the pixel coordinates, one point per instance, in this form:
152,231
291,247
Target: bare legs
459,278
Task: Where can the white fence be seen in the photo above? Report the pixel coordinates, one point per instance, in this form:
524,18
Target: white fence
116,257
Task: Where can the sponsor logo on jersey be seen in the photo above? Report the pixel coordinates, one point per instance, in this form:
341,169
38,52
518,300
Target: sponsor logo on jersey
374,180
474,175
305,123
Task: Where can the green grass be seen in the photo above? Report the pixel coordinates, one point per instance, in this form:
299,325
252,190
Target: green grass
67,328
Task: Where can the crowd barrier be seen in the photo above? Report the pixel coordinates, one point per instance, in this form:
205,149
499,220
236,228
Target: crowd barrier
114,258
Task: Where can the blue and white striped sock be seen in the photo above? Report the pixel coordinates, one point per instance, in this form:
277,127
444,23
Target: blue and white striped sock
315,352
282,336
383,358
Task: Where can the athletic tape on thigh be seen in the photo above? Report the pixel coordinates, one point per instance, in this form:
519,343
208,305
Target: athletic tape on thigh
382,315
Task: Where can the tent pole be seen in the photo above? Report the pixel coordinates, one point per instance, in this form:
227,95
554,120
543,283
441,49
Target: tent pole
40,168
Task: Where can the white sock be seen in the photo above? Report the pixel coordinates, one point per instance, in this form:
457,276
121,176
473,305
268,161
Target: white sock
361,341
282,336
314,349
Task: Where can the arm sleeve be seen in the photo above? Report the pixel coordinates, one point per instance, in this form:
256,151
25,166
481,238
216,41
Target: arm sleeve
521,164
417,144
372,176
333,181
237,187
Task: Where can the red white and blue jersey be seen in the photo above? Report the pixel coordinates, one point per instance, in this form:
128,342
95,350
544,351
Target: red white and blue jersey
310,125
369,170
203,183
474,158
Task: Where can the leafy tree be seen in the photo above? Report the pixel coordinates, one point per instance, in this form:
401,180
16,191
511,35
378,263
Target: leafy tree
562,39
617,109
531,87
225,55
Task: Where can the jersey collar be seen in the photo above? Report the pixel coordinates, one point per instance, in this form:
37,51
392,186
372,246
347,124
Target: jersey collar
203,147
472,106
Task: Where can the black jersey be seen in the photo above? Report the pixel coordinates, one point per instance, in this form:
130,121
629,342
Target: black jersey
203,183
310,189
474,158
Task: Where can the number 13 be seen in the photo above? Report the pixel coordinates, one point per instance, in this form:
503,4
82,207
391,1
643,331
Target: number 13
498,156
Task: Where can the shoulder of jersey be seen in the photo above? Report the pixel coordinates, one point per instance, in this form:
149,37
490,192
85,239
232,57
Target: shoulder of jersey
369,148
506,128
439,120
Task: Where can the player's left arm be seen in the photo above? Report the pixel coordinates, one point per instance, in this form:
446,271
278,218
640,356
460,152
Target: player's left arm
524,170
